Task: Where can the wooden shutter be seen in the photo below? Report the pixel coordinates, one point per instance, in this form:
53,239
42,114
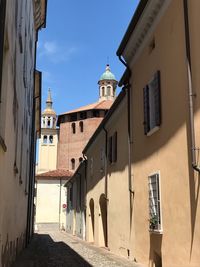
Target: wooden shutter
115,147
146,109
157,97
110,149
2,26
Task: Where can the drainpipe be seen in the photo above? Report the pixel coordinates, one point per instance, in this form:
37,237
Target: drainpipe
106,154
60,205
127,88
190,88
84,194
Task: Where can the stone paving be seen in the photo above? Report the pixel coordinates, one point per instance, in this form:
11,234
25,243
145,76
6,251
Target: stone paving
59,249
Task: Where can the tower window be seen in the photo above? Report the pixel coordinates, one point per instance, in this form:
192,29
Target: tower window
83,115
51,139
73,164
45,139
103,91
81,126
80,159
95,113
48,122
108,90
73,128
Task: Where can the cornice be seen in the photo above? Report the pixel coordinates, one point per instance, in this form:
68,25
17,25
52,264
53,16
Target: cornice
147,22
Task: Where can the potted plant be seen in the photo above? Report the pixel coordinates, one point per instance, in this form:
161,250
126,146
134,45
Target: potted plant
153,222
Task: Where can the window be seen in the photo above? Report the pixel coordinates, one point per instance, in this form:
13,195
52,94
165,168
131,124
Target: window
83,115
48,122
51,139
80,159
45,139
73,164
81,126
108,90
112,148
152,105
154,203
73,128
73,117
103,91
95,113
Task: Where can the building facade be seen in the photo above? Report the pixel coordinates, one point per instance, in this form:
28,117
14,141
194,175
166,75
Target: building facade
160,49
77,126
51,200
20,86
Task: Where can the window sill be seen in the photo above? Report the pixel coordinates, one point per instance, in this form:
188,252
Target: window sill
152,131
157,232
2,144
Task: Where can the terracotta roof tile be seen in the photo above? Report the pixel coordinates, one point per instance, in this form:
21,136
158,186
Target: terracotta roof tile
105,104
55,174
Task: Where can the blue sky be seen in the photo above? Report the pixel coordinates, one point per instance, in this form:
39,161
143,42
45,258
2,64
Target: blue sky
74,48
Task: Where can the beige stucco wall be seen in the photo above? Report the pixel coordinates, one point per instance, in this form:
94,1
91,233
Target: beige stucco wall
16,116
167,150
51,195
118,209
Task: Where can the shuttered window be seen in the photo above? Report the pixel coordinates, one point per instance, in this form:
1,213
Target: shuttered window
112,148
115,147
152,105
154,202
2,26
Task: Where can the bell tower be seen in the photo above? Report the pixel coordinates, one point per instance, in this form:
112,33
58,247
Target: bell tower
107,85
47,156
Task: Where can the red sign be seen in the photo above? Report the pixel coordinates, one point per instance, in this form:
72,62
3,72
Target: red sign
64,206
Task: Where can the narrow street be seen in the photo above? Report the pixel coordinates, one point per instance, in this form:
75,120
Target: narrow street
58,249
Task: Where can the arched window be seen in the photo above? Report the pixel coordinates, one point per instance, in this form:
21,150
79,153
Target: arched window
45,139
43,122
51,139
103,91
81,126
80,159
108,90
48,122
73,164
73,128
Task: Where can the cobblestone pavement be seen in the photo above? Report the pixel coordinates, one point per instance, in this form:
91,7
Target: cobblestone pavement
59,249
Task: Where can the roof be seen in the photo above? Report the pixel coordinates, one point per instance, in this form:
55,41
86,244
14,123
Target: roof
55,174
141,6
105,104
106,118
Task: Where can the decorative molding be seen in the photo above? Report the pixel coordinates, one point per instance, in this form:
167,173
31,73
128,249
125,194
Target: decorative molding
144,28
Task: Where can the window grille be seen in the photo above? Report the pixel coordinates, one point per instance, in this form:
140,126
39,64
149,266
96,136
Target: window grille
154,202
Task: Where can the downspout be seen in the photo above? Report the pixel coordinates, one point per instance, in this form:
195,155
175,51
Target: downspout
127,88
191,94
60,205
84,195
106,172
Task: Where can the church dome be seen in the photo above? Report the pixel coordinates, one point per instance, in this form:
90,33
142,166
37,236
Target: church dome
49,110
107,75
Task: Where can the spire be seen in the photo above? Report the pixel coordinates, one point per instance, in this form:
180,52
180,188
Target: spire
49,101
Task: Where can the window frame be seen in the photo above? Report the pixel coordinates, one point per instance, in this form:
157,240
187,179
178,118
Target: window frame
158,226
152,105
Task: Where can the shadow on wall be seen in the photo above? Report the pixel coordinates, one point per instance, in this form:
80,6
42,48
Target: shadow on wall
45,251
11,249
155,253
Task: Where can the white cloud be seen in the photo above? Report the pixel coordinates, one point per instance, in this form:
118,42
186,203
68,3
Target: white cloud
55,52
